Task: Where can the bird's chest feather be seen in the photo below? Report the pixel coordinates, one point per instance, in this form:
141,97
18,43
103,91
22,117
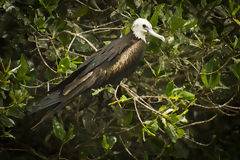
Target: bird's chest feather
126,62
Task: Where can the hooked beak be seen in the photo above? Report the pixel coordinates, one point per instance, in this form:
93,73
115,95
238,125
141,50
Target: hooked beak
151,32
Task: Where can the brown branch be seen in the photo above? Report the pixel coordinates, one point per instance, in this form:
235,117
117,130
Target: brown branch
139,99
70,45
101,29
42,84
138,115
83,38
201,144
199,122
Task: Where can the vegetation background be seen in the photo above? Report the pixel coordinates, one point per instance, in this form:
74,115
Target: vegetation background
183,101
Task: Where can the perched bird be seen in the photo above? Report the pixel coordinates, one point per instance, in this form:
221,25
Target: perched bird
107,66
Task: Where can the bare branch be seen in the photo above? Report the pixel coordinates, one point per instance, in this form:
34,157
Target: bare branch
201,144
83,38
126,149
199,122
39,52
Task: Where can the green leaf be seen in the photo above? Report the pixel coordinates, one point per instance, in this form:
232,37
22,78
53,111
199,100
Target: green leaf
204,78
138,3
145,11
22,70
235,68
69,136
186,95
122,6
15,111
211,80
152,126
108,142
66,66
204,3
50,5
180,133
128,119
230,5
81,12
190,23
58,130
1,102
176,23
235,10
157,12
8,67
171,132
173,118
105,144
58,27
149,65
169,88
7,122
18,95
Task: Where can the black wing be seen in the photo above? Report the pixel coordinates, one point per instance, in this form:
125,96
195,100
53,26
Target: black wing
104,55
90,74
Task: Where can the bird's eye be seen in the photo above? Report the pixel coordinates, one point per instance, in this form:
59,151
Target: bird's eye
144,26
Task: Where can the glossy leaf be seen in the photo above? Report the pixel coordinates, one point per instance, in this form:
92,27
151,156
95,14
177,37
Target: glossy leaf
177,23
155,16
128,119
190,23
58,130
235,68
146,11
108,142
186,95
105,144
152,126
7,122
171,132
169,88
69,135
211,80
50,5
22,70
81,12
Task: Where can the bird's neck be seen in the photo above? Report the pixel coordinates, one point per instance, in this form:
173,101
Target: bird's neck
139,35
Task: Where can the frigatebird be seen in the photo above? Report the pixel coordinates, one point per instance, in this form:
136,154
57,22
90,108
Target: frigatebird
107,66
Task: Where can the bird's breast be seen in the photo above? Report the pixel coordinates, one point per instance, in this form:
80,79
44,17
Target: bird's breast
126,62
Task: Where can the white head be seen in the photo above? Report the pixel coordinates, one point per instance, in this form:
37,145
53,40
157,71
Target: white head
142,26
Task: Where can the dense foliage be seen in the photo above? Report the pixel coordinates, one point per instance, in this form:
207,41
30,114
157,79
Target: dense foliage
181,103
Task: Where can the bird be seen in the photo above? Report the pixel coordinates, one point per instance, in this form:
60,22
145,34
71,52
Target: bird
109,65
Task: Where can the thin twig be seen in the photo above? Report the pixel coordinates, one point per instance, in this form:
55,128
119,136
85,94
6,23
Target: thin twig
39,52
199,122
70,45
102,25
96,10
101,29
201,144
126,149
42,84
138,115
54,48
115,95
139,99
226,62
83,38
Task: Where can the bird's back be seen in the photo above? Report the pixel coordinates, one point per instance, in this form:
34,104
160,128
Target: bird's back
107,66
